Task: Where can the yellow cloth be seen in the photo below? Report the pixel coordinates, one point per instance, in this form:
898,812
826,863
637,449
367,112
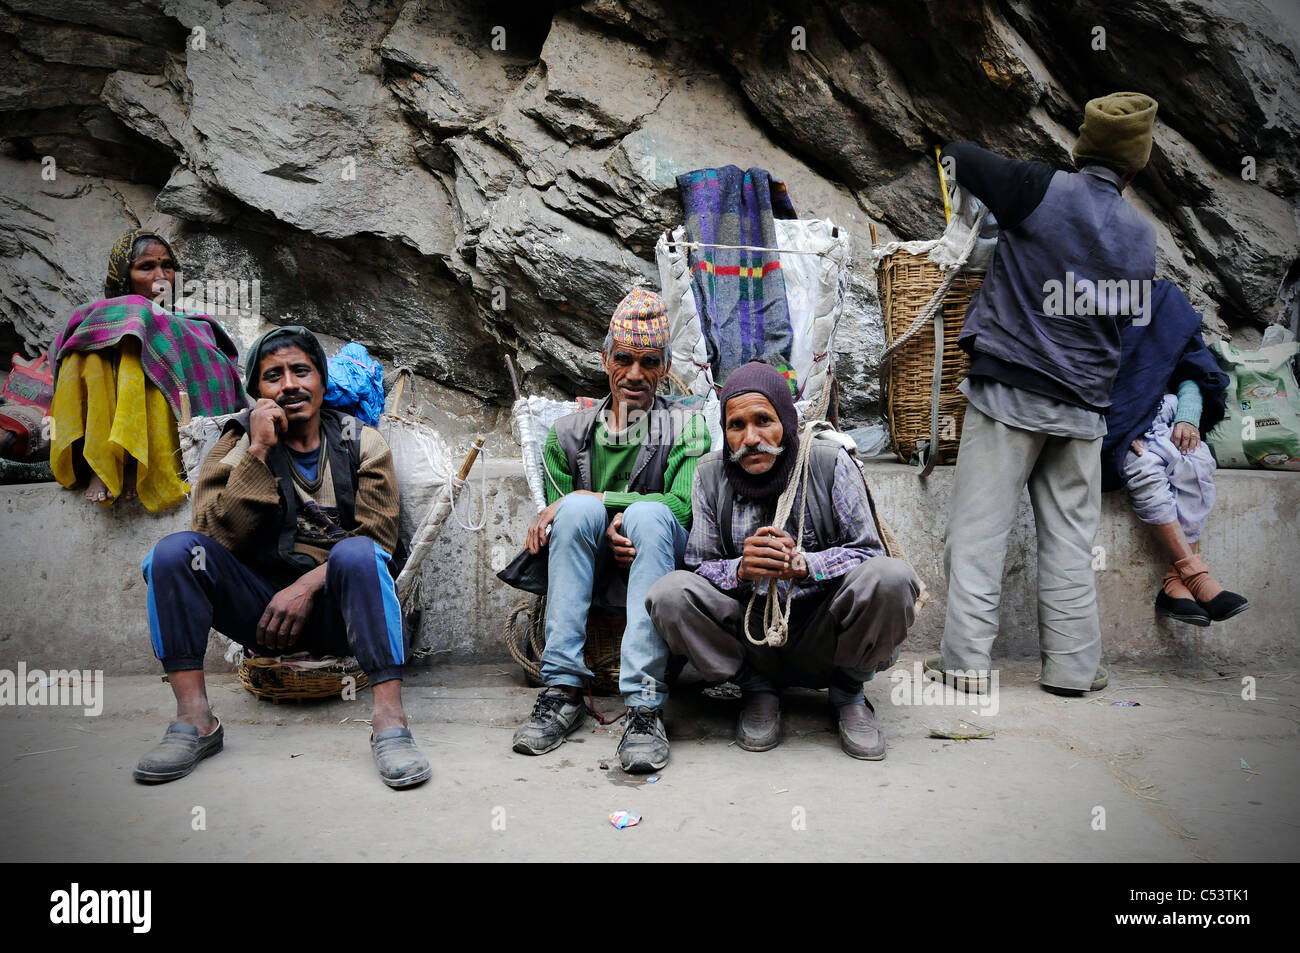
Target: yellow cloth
120,414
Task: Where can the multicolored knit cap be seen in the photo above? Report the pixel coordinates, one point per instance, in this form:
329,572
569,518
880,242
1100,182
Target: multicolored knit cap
118,281
640,320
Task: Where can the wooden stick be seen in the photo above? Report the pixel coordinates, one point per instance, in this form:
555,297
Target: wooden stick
398,389
470,458
872,226
943,185
514,378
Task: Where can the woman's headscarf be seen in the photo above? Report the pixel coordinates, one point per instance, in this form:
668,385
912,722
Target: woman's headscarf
118,282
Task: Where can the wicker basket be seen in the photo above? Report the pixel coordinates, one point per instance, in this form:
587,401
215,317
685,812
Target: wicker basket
273,680
907,283
602,653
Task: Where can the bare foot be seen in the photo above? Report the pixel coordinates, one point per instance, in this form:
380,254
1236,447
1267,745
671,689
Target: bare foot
128,481
97,492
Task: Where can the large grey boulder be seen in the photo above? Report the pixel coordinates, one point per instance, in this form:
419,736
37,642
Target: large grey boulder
449,182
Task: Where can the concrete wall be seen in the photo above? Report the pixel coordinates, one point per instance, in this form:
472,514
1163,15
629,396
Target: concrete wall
71,593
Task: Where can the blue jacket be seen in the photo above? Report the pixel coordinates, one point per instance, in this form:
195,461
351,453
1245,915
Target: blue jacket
1155,358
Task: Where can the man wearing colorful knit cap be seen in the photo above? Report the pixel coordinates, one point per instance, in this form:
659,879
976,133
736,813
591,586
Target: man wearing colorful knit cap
618,490
1044,341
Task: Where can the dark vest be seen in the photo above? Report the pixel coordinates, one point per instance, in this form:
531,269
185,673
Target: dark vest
576,433
1083,227
274,549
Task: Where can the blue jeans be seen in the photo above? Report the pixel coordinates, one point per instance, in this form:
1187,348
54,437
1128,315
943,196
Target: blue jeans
577,547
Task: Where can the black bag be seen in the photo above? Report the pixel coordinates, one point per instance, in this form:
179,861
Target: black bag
527,572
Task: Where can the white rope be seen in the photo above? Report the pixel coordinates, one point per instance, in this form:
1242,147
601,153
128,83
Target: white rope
454,483
776,618
823,253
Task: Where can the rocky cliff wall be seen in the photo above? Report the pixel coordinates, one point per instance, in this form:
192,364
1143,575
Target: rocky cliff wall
450,182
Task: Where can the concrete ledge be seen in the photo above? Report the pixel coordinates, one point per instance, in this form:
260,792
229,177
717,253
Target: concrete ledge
72,593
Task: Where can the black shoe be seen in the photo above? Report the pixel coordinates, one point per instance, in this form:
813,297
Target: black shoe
759,726
1182,610
554,717
181,750
1099,681
860,736
1224,606
644,747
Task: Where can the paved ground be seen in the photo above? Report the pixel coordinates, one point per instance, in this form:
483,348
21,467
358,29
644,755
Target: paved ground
1193,773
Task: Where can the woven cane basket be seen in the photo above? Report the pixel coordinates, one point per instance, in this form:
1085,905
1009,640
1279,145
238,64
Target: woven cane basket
277,681
907,283
602,654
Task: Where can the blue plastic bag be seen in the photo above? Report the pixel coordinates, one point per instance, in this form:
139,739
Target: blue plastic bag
356,384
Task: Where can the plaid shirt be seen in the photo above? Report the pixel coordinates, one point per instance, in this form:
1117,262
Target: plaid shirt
853,522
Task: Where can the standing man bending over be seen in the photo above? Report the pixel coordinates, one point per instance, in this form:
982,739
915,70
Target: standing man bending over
1073,265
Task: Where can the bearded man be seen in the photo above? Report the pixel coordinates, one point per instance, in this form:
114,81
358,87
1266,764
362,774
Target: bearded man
852,604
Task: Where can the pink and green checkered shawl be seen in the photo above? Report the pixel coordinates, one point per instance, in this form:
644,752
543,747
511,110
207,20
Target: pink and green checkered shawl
187,355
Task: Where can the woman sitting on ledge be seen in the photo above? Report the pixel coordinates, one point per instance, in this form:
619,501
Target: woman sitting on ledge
1168,394
126,371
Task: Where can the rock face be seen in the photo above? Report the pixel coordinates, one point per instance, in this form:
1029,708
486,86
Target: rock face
450,185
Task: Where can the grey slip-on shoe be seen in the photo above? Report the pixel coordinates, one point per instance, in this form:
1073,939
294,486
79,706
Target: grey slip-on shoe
182,748
401,764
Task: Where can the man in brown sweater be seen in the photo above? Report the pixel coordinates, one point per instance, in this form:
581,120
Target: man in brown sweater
294,523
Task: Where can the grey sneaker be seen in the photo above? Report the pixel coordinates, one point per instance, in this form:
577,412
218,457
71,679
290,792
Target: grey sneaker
759,726
644,747
860,736
401,764
933,667
554,717
181,750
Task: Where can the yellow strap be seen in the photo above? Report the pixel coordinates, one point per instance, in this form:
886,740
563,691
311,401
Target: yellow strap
943,186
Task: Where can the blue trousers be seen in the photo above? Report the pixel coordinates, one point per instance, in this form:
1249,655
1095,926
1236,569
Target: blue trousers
196,584
577,547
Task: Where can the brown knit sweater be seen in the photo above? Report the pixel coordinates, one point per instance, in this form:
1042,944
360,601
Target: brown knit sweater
236,495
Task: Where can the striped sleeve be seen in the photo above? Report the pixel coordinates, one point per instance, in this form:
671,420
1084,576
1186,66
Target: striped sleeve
234,494
378,500
559,482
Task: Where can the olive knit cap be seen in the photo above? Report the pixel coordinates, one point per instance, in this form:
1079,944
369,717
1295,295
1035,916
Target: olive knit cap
1116,132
